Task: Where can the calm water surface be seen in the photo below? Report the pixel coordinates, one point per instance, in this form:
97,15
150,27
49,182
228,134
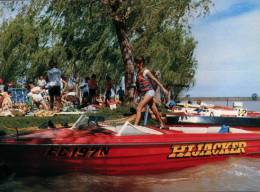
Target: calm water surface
232,175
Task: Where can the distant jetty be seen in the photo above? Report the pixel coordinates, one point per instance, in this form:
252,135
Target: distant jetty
219,98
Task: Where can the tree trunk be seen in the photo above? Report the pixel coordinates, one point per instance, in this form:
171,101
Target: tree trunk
127,57
119,19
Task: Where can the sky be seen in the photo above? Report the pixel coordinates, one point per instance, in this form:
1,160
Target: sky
228,50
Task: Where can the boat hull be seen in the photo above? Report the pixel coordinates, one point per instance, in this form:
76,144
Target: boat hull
135,158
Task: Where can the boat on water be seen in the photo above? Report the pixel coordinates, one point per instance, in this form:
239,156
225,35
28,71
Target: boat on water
122,150
246,123
209,110
205,115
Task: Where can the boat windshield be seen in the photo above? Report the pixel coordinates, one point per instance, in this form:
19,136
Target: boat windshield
120,130
82,122
129,129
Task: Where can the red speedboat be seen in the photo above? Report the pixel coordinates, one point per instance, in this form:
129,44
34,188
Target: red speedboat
122,150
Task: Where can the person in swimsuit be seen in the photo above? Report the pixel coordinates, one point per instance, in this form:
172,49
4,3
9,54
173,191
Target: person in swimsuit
145,88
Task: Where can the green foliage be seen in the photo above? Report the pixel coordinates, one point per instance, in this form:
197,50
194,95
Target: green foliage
36,122
81,37
25,122
161,33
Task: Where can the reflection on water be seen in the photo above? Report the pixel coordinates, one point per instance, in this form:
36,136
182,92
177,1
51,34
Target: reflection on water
232,175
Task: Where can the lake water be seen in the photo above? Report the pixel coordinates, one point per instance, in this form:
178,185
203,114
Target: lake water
232,175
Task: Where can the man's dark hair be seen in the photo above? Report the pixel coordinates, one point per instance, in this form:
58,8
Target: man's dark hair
30,82
93,76
64,77
53,63
139,60
5,88
108,78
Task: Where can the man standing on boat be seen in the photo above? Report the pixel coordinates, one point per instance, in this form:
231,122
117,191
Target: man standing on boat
145,88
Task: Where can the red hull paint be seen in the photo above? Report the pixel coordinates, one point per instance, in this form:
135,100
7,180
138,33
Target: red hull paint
253,114
66,151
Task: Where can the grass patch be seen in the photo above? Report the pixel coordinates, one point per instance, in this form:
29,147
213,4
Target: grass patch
30,121
8,125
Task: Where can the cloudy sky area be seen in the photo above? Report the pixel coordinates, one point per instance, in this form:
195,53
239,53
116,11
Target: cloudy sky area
228,50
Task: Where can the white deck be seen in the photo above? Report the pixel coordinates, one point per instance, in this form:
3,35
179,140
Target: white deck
206,129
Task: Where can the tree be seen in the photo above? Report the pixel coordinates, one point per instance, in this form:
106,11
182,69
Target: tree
20,44
119,13
155,25
91,36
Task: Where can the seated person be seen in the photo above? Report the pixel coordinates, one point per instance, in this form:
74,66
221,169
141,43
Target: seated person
71,97
42,82
5,101
37,98
1,99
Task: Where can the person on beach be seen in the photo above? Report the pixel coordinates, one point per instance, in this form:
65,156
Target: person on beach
42,82
2,85
93,87
108,87
5,101
54,86
85,91
121,94
37,98
145,88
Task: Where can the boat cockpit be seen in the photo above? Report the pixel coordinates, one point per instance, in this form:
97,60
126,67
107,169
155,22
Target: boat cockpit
120,130
128,129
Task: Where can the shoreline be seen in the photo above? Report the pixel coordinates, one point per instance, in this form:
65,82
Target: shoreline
219,98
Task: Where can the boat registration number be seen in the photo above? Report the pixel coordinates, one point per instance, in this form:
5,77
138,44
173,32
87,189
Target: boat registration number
206,149
77,151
